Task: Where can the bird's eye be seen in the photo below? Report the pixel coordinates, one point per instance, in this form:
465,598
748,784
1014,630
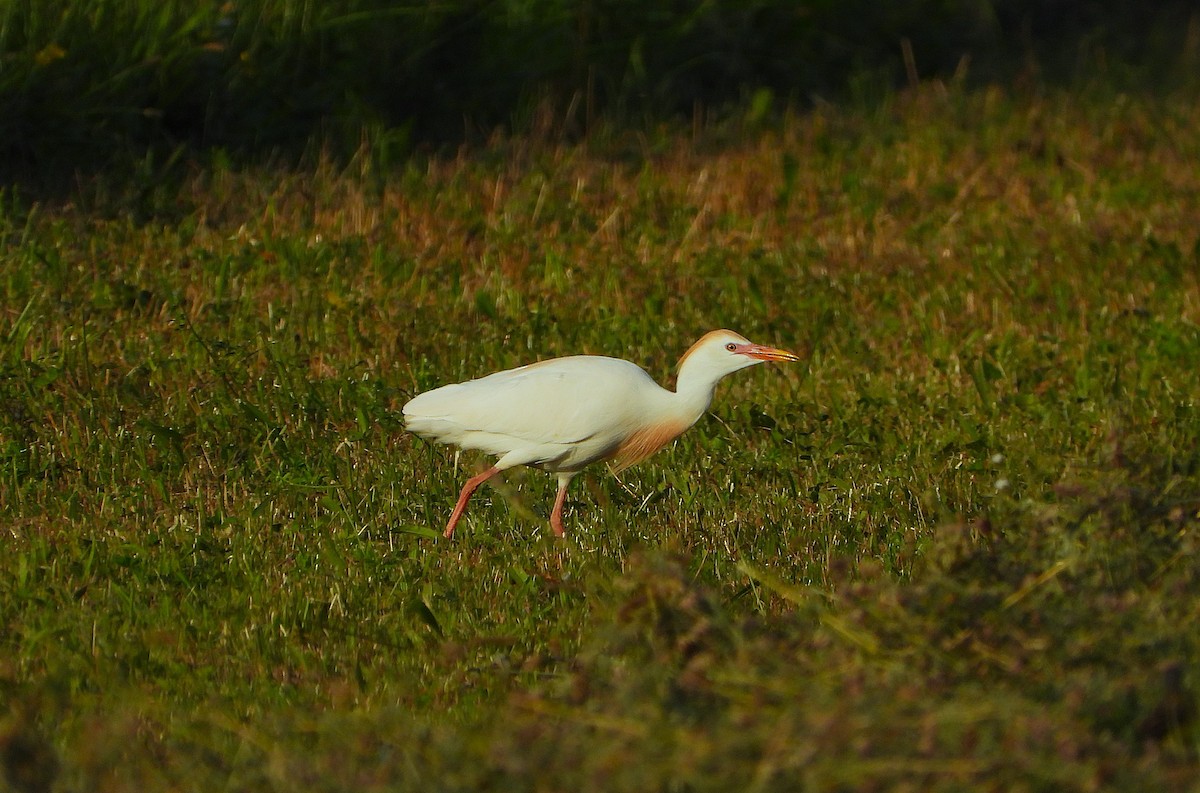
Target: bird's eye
731,347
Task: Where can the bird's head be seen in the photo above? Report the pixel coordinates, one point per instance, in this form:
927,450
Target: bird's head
722,352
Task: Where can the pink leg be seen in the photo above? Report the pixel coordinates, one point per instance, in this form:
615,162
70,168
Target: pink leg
556,513
470,487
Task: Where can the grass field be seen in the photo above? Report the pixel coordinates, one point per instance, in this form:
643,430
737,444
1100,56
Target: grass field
956,548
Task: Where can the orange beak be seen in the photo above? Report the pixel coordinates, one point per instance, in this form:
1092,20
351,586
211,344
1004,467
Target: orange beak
768,353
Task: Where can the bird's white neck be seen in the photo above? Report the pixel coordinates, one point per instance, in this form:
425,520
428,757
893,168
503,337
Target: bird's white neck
694,389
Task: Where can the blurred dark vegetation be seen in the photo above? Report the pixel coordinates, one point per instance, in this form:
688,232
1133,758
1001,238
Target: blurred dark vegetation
81,82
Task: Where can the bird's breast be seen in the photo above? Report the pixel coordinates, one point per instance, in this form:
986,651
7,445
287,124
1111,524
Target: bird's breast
645,441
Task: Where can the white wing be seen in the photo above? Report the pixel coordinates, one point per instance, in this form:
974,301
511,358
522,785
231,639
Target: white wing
581,407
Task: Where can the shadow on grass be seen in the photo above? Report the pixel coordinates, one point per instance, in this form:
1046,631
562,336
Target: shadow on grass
1054,645
1050,646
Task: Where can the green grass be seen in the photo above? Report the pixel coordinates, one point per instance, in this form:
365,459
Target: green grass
955,548
101,82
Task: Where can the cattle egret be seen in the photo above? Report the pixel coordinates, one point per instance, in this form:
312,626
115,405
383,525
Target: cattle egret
563,414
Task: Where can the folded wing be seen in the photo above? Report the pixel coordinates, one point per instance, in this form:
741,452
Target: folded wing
589,400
